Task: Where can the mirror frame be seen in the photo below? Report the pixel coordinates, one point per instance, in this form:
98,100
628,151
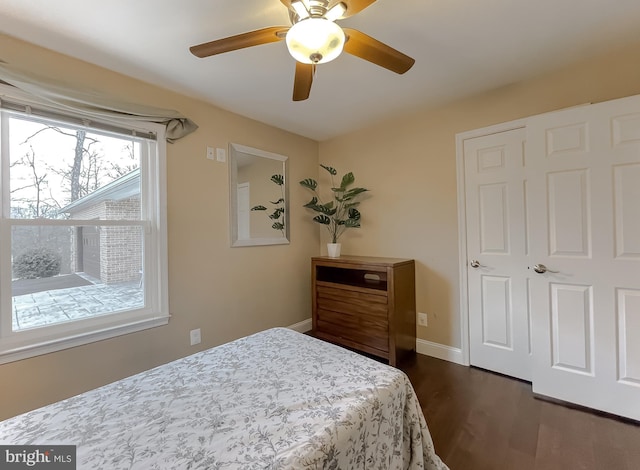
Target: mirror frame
234,149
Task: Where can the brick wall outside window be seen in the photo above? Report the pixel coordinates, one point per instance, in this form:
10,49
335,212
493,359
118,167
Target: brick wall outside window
120,247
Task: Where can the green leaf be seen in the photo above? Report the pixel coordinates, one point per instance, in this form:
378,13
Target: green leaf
258,208
325,210
278,179
354,214
309,183
352,223
278,226
353,192
351,204
329,169
312,203
322,208
347,180
276,214
322,219
279,201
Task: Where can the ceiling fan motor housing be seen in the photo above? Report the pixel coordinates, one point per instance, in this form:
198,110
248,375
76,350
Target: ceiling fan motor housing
318,8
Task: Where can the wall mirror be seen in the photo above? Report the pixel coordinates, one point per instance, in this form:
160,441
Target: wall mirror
259,197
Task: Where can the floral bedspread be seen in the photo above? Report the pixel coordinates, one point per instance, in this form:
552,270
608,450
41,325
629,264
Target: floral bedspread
277,399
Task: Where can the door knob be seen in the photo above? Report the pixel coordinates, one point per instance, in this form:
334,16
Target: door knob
541,269
475,263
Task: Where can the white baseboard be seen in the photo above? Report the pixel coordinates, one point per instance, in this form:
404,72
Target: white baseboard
428,348
302,327
439,351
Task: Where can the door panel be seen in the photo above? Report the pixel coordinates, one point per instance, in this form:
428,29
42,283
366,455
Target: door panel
572,327
626,129
244,211
566,140
627,210
568,213
496,311
494,218
585,174
628,316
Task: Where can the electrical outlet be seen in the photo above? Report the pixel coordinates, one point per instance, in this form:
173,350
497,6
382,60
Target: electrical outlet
195,337
422,319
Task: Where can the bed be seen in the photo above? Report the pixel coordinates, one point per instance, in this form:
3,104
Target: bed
277,399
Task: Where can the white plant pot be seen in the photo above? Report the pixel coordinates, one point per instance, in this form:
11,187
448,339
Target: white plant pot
333,249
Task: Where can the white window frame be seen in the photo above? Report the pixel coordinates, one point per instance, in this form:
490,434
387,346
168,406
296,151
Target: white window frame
36,341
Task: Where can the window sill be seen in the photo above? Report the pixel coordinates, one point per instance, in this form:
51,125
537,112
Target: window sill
58,344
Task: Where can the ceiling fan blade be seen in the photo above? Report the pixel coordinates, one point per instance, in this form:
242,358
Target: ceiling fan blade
240,41
303,80
353,6
374,51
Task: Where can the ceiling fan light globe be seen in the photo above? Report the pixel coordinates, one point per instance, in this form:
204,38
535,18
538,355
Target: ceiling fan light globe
315,41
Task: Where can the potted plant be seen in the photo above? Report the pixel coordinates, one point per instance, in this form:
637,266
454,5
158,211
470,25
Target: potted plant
338,214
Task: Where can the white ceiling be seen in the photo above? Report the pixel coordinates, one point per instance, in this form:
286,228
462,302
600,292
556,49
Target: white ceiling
461,47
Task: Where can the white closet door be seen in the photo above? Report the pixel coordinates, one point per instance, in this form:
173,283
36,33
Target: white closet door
244,211
495,197
585,229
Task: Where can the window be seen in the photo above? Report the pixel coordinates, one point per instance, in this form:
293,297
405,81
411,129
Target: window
82,232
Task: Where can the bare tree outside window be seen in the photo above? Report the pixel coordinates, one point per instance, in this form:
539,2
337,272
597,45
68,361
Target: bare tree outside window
87,170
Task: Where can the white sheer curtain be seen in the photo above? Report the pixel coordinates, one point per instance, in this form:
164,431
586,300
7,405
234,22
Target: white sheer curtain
93,104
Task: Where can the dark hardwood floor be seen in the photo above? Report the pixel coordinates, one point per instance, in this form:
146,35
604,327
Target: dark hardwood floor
485,421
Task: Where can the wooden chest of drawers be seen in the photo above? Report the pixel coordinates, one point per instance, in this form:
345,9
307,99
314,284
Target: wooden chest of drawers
365,303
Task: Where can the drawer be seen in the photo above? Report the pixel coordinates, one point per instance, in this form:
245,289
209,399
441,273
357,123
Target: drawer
369,324
353,329
352,302
331,289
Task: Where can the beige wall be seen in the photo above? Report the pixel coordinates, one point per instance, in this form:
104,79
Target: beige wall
409,165
209,282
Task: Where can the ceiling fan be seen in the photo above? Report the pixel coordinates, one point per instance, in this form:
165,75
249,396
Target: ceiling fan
314,38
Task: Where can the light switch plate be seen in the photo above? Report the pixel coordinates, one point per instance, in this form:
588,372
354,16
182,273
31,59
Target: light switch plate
195,336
